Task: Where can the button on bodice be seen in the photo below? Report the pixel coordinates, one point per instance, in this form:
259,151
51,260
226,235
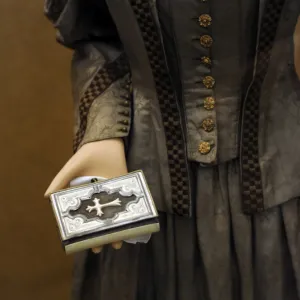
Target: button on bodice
208,125
204,147
208,82
209,103
205,20
206,41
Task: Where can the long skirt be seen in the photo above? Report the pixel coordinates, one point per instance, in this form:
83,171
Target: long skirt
220,254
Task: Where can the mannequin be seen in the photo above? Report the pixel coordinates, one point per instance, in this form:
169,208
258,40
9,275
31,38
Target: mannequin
203,96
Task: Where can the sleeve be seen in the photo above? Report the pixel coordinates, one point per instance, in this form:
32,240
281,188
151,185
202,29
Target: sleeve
100,73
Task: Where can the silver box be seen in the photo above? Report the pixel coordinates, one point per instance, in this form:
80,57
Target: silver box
99,213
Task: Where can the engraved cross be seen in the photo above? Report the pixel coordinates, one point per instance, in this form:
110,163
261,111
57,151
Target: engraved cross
98,206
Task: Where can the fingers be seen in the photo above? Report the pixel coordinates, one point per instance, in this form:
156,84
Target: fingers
97,250
115,245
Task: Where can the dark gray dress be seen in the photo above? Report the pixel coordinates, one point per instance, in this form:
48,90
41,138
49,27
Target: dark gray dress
220,253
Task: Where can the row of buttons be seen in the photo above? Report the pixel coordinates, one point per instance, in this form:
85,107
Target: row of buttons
126,104
206,41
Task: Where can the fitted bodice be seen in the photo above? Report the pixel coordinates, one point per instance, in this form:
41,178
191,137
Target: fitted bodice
210,47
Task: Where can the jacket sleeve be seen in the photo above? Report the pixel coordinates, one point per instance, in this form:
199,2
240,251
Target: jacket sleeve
100,72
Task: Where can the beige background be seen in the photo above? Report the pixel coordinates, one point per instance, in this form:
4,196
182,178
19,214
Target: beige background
35,133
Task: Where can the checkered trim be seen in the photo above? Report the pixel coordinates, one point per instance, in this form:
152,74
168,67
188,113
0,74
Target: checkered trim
54,8
252,191
177,159
102,80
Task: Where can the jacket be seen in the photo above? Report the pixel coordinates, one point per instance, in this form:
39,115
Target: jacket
189,83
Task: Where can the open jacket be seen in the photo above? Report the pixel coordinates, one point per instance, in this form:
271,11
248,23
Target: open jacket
189,82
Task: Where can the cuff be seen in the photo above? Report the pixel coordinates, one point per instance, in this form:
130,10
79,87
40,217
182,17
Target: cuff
109,115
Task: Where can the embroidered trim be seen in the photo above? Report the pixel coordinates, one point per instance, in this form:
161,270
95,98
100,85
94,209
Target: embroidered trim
177,159
252,191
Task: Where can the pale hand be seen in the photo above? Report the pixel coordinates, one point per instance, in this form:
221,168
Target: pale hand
102,158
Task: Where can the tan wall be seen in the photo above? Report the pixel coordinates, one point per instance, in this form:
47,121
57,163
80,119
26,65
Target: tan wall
35,134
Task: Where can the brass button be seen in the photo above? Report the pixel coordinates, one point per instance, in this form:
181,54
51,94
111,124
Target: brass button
205,20
206,41
209,103
204,147
124,129
206,60
125,103
208,125
125,113
209,82
125,122
129,88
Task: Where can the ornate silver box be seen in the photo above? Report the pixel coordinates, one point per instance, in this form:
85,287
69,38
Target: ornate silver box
99,213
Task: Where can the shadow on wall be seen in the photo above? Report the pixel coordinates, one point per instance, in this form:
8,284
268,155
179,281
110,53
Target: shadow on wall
36,133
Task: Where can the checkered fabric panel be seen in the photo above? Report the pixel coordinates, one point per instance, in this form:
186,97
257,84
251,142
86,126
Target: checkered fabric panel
252,192
54,9
102,80
177,158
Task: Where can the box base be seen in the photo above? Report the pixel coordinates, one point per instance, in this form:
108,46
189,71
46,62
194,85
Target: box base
104,239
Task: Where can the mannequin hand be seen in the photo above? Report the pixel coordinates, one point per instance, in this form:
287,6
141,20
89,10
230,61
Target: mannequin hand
102,158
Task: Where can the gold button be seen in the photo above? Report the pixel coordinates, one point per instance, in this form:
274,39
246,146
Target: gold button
206,60
125,122
206,41
124,129
208,125
205,20
209,103
128,87
209,82
204,147
125,113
